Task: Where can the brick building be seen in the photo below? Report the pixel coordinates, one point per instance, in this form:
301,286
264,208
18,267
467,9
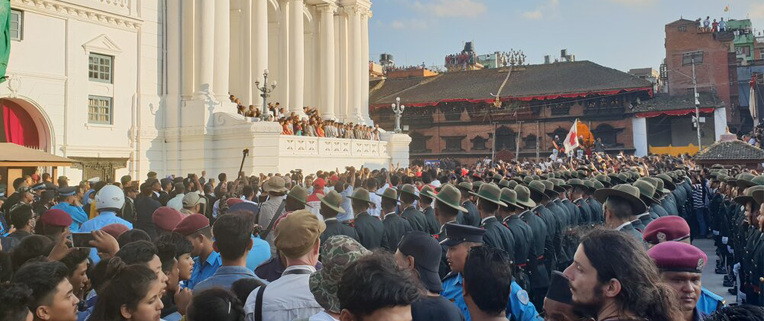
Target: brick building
453,115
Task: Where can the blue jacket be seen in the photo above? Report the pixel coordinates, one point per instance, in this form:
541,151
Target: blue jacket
77,213
709,302
518,305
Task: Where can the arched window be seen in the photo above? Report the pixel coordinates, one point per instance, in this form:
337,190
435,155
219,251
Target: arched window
418,143
478,143
505,139
607,133
529,142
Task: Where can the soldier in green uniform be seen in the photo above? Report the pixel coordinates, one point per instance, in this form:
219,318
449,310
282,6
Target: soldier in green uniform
395,226
330,207
408,196
577,194
425,203
522,234
620,204
541,240
538,196
446,210
647,195
369,228
471,215
496,235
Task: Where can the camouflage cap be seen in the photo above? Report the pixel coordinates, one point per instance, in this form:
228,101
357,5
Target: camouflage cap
336,254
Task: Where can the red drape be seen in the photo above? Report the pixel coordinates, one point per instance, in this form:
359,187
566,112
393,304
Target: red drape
18,126
677,112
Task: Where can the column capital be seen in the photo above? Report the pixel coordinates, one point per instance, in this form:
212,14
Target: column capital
324,7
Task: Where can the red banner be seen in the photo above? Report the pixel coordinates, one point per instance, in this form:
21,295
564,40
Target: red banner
678,112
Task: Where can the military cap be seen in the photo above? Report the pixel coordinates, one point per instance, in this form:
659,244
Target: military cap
336,254
758,180
559,288
467,186
125,179
524,196
717,166
67,191
747,197
115,229
558,185
678,257
504,183
192,224
538,190
666,228
476,186
300,194
391,194
758,196
614,179
491,193
191,199
450,196
152,174
38,187
245,207
334,200
409,189
457,234
297,232
166,218
56,217
497,177
527,180
646,191
667,181
549,189
577,182
597,185
624,191
745,180
574,174
589,184
362,195
509,197
512,184
582,174
427,255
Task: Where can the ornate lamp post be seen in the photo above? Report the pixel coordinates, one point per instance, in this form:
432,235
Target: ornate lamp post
265,92
398,110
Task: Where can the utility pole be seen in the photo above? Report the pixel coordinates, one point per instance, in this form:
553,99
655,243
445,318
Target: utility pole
493,142
697,104
517,145
538,136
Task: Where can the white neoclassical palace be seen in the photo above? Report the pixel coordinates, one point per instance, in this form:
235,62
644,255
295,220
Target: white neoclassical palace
132,86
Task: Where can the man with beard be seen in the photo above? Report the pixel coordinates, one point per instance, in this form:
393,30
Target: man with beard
612,278
681,266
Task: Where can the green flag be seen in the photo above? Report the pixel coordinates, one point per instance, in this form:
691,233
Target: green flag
5,37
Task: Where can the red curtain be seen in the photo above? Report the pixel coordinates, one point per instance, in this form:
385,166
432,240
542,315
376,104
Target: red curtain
18,126
677,112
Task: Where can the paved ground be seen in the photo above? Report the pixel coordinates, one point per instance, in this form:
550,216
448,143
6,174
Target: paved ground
711,280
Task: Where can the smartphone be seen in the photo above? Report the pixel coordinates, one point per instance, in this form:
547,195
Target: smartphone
81,239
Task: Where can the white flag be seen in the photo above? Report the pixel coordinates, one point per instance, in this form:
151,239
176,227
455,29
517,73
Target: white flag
571,141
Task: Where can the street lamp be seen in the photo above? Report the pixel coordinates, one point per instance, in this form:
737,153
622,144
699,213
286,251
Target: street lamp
398,110
265,92
692,56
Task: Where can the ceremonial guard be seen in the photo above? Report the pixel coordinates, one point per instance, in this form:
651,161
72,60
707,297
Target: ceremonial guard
395,227
369,228
330,208
408,196
471,216
496,235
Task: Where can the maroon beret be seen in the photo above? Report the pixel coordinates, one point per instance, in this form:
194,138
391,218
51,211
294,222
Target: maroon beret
233,200
166,218
678,256
667,228
56,217
115,229
192,224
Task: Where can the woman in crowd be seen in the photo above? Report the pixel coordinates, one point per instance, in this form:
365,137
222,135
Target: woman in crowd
215,304
132,293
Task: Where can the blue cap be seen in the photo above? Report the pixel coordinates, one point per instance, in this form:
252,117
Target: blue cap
38,187
67,191
457,234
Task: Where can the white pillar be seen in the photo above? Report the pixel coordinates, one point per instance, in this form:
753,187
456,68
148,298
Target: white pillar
365,15
639,128
327,61
720,123
340,68
222,48
259,51
354,66
296,56
206,49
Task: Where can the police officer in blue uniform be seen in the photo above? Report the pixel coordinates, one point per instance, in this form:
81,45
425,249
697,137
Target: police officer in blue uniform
459,239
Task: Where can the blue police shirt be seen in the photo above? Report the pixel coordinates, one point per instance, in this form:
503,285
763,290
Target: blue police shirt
77,213
225,276
260,252
97,223
204,269
709,301
518,305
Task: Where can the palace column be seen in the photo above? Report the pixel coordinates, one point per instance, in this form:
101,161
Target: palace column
327,61
222,48
296,56
259,58
354,66
206,49
365,15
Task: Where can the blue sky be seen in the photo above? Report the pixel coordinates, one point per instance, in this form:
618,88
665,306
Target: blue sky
621,34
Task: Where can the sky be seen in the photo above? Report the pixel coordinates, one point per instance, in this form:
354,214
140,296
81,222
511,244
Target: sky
620,34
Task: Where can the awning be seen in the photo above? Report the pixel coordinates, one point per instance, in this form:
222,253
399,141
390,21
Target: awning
676,112
12,155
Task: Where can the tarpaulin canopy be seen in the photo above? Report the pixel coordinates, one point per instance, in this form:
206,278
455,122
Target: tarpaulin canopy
12,155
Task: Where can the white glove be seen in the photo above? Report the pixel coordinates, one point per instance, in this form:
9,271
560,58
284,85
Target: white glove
716,233
725,240
729,248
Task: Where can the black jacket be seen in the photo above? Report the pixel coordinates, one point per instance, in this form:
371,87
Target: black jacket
369,230
334,227
395,227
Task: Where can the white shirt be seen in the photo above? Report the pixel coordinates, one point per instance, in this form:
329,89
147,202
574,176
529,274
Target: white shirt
377,210
322,316
287,298
622,226
176,202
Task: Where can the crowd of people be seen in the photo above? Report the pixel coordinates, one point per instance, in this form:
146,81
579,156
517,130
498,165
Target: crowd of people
603,239
311,124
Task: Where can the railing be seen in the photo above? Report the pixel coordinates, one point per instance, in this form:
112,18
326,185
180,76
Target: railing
322,146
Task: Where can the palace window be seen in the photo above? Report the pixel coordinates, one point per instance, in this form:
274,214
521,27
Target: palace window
101,68
453,144
529,142
16,24
478,143
99,110
418,143
608,134
505,139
